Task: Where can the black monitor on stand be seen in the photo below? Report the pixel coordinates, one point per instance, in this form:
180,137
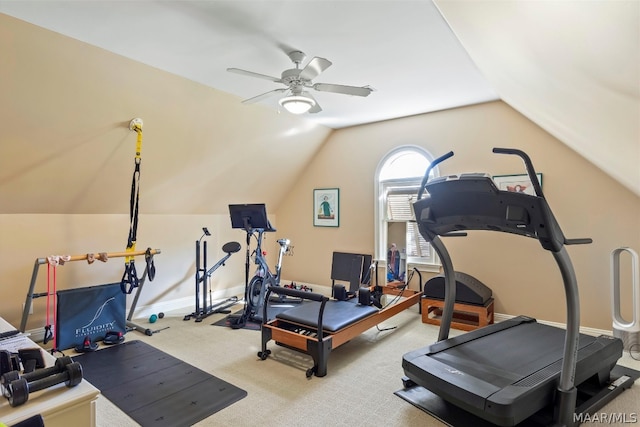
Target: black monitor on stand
249,217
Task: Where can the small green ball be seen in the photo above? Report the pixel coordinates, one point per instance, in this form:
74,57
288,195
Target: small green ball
153,318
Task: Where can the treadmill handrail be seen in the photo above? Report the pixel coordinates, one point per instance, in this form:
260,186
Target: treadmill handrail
528,164
429,169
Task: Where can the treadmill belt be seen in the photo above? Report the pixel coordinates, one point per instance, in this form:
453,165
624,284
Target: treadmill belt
504,358
451,415
506,373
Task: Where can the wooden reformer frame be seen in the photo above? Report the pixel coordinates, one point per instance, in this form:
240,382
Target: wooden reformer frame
89,258
318,342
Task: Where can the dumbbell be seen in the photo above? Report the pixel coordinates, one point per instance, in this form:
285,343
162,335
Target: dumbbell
19,389
58,367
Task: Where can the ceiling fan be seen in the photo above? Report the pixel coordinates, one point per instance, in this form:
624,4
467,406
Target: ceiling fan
298,81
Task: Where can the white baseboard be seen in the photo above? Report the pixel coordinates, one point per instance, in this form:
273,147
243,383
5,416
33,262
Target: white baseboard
188,303
185,303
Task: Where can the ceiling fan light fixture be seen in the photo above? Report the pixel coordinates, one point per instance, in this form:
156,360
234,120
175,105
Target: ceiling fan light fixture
297,104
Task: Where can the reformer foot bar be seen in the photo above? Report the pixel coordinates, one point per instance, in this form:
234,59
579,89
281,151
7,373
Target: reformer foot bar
89,258
317,327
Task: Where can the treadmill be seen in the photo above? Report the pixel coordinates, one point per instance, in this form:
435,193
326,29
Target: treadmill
517,370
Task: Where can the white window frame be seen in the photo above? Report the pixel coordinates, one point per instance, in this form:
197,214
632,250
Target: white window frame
381,217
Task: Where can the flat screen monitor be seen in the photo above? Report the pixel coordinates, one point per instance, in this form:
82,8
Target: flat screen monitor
249,216
352,268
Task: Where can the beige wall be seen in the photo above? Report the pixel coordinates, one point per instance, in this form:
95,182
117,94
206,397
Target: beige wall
66,160
66,163
27,237
524,277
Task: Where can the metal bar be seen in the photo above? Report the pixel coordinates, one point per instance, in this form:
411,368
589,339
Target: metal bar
29,300
109,255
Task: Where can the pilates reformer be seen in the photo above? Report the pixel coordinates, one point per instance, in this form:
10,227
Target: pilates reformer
322,325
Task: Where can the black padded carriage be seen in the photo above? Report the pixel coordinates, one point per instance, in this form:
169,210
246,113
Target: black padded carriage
337,314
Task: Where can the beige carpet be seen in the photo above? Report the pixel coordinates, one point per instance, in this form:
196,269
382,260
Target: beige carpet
357,391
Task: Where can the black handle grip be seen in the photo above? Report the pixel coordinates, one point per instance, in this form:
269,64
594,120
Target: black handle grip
280,290
583,241
429,169
455,234
528,164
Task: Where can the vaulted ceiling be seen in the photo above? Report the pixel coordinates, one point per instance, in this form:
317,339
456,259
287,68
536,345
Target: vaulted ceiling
572,67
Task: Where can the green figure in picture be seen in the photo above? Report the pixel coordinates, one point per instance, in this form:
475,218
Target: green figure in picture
325,208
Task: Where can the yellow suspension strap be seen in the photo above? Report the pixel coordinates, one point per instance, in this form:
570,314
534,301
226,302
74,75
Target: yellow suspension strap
130,277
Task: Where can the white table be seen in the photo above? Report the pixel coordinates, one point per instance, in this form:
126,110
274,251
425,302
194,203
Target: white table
60,406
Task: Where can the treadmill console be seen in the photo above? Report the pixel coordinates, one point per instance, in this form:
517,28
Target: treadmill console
471,201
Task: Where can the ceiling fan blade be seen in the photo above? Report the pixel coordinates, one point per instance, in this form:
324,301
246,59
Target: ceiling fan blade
313,69
316,108
263,96
347,90
252,74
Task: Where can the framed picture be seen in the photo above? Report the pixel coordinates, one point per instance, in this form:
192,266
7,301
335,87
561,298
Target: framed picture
326,207
516,183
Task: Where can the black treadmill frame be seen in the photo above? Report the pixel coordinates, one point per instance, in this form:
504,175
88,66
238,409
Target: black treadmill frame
464,202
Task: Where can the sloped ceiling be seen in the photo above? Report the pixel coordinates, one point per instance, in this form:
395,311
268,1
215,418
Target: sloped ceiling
572,67
403,49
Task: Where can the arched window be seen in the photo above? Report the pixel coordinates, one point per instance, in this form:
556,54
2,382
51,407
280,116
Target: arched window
397,182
